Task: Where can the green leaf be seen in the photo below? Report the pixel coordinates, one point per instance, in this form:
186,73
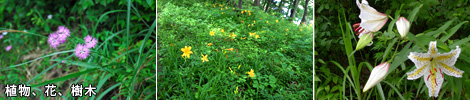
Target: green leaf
452,31
415,11
63,78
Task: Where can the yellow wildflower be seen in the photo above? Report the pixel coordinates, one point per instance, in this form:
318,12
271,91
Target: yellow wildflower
267,21
204,58
251,73
223,12
221,8
276,21
231,49
226,8
300,29
251,34
186,51
209,44
222,30
252,25
233,35
245,10
256,36
212,33
287,29
254,21
249,14
242,12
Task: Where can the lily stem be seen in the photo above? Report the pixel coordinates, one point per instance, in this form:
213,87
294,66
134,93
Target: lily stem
396,48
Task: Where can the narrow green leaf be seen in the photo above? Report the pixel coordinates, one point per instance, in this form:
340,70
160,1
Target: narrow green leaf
63,78
415,11
452,31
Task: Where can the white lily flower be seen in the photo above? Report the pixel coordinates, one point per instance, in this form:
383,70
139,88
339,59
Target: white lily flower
371,19
432,64
403,26
5,33
377,75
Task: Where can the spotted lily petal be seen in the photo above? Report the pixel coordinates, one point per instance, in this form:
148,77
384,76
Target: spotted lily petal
431,65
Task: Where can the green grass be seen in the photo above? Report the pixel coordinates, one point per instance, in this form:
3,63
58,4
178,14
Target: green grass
119,67
280,59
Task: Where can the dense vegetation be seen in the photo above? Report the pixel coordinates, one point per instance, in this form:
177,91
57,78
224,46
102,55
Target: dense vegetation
341,72
215,50
119,65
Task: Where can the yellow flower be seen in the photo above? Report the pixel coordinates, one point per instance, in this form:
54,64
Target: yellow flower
252,25
186,51
267,21
276,21
287,29
231,49
233,8
249,14
221,8
239,66
209,44
300,29
251,73
204,58
211,33
256,36
245,10
223,12
233,35
242,12
249,25
243,21
226,8
222,30
249,11
254,21
251,34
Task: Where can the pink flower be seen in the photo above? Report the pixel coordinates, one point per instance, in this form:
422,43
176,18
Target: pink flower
53,40
8,48
81,51
1,36
63,33
90,42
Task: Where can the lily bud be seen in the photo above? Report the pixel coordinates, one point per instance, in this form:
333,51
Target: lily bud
377,75
364,40
403,26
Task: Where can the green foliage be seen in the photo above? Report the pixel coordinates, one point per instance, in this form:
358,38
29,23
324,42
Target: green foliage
430,20
280,57
119,66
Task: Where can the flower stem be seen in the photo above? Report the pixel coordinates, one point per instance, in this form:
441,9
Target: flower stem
390,17
396,48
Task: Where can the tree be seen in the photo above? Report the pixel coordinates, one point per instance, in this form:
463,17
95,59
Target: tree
240,4
305,11
267,7
292,14
257,2
280,5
